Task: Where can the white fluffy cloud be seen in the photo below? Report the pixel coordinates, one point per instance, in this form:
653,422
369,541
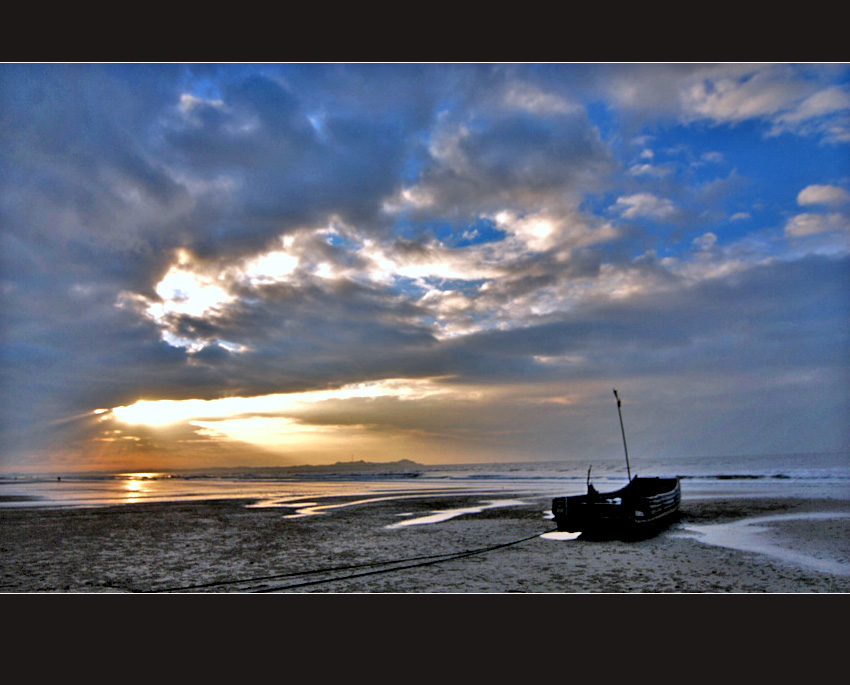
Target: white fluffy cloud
823,195
645,205
812,224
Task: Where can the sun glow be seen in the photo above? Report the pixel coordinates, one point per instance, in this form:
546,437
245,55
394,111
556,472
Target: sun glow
162,412
165,412
272,267
186,292
272,432
133,490
358,418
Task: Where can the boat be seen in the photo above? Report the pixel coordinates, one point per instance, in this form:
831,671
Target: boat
640,509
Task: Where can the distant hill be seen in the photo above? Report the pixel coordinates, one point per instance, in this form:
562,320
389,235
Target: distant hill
402,466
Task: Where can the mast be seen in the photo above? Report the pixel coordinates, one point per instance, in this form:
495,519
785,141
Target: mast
623,431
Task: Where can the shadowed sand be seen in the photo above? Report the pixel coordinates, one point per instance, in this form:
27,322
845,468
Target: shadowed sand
204,546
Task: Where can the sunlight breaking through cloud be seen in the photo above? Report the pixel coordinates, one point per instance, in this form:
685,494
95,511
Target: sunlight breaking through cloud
164,412
236,231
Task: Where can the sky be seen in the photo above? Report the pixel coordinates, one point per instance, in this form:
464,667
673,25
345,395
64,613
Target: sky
274,264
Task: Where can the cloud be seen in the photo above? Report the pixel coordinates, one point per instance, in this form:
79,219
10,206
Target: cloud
673,336
736,97
811,224
823,195
834,223
827,111
786,98
705,241
212,232
650,170
645,205
788,105
499,160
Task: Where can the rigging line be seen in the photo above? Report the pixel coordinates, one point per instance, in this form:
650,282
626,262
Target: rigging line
459,555
328,569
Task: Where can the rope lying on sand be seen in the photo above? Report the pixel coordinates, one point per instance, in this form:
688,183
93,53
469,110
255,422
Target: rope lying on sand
451,557
425,560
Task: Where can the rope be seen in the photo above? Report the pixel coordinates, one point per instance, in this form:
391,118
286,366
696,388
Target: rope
276,576
425,560
452,557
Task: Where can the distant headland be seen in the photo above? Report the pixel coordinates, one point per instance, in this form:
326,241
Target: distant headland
383,467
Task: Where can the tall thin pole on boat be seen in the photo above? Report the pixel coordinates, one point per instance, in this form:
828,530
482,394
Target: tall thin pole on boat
623,431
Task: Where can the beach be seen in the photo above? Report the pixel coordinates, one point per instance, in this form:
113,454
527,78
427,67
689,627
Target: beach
489,544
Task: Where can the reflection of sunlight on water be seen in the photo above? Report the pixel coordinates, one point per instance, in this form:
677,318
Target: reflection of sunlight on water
446,514
303,508
136,486
311,508
151,486
278,502
134,489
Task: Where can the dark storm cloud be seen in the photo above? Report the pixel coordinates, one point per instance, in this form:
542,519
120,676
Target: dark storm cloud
293,161
95,197
780,316
298,338
84,200
508,160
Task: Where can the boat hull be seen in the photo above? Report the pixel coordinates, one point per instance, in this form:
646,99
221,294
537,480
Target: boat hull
641,508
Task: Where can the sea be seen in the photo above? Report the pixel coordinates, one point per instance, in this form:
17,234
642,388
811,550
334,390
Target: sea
820,475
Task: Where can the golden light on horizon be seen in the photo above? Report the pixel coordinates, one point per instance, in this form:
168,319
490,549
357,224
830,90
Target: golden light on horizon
133,489
314,420
160,412
164,412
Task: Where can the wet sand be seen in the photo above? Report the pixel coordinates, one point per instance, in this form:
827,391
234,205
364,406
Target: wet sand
202,547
